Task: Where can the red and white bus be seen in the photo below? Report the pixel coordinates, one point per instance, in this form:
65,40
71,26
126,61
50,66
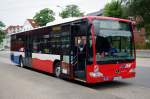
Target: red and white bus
91,49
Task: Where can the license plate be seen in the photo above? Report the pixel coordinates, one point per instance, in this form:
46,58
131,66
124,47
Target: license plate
117,78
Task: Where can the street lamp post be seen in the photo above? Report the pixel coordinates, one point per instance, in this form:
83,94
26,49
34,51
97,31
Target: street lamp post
60,6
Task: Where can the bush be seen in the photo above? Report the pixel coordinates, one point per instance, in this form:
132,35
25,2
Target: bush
142,46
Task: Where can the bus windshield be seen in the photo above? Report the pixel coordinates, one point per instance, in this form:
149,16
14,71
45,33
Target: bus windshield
113,41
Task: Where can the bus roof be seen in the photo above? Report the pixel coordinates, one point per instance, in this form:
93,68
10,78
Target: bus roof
107,18
55,22
61,21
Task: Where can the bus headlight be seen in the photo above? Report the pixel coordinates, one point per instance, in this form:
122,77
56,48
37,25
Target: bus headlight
132,70
96,72
127,65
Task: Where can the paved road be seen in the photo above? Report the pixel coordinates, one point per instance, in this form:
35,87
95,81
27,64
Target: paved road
21,83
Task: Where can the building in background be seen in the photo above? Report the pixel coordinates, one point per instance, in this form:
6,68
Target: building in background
29,24
140,37
139,34
9,30
13,29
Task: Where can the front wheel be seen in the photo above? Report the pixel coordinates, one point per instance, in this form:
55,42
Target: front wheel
57,69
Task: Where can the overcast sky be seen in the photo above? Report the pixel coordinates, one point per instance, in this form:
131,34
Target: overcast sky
15,12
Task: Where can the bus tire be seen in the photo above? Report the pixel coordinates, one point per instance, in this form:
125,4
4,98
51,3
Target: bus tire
21,62
57,70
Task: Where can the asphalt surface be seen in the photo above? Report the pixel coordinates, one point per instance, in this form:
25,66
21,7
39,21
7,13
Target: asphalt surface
24,83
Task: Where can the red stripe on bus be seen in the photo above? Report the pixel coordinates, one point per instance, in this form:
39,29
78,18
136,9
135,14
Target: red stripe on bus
43,65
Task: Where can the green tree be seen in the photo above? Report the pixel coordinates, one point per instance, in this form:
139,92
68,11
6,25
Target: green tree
140,8
44,16
114,9
71,11
2,34
2,24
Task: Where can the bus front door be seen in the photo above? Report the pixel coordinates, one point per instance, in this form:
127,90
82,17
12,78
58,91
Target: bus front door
79,56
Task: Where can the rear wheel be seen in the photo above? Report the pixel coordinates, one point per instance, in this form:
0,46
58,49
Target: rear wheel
57,69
